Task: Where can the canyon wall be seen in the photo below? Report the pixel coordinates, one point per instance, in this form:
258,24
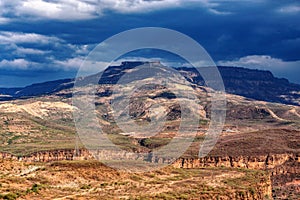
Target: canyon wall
273,162
284,169
259,162
50,156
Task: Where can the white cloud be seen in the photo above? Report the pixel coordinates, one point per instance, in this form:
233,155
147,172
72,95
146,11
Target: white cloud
26,51
89,67
217,12
15,64
15,45
291,9
141,6
82,49
70,10
71,63
260,62
129,6
61,9
16,38
4,20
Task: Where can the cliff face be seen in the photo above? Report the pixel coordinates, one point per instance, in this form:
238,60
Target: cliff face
50,156
250,162
286,180
284,169
273,162
260,190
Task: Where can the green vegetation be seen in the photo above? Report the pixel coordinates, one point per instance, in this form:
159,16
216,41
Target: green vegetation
9,196
35,188
16,194
86,187
23,134
154,142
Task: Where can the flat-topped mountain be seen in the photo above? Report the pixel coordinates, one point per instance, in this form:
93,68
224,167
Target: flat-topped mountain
254,84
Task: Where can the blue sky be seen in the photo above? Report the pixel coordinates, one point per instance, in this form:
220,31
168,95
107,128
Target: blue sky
43,40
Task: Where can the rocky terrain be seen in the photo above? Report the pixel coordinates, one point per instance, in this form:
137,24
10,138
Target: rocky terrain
92,180
256,156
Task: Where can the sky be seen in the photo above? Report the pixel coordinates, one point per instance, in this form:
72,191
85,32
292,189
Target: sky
42,40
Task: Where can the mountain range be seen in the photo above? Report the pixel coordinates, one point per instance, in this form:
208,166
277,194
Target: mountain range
254,84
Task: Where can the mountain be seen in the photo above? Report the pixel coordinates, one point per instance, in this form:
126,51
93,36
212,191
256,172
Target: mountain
254,84
37,89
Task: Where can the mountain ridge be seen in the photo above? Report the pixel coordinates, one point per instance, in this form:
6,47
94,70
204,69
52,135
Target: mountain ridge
250,83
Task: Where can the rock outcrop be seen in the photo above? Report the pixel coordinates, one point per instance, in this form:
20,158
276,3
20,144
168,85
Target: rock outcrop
259,162
50,156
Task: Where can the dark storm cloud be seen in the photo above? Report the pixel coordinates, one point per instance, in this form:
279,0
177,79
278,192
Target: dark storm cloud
36,36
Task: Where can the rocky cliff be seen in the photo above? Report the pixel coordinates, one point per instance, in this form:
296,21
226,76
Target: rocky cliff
263,162
283,168
273,162
50,156
260,190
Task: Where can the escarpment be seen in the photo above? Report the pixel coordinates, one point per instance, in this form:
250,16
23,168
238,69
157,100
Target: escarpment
259,162
50,156
284,169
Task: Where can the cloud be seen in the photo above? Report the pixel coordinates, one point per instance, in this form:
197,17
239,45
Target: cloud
214,11
70,63
49,34
15,50
260,62
28,51
71,10
280,68
4,20
75,63
15,64
7,37
31,51
290,9
138,6
61,9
